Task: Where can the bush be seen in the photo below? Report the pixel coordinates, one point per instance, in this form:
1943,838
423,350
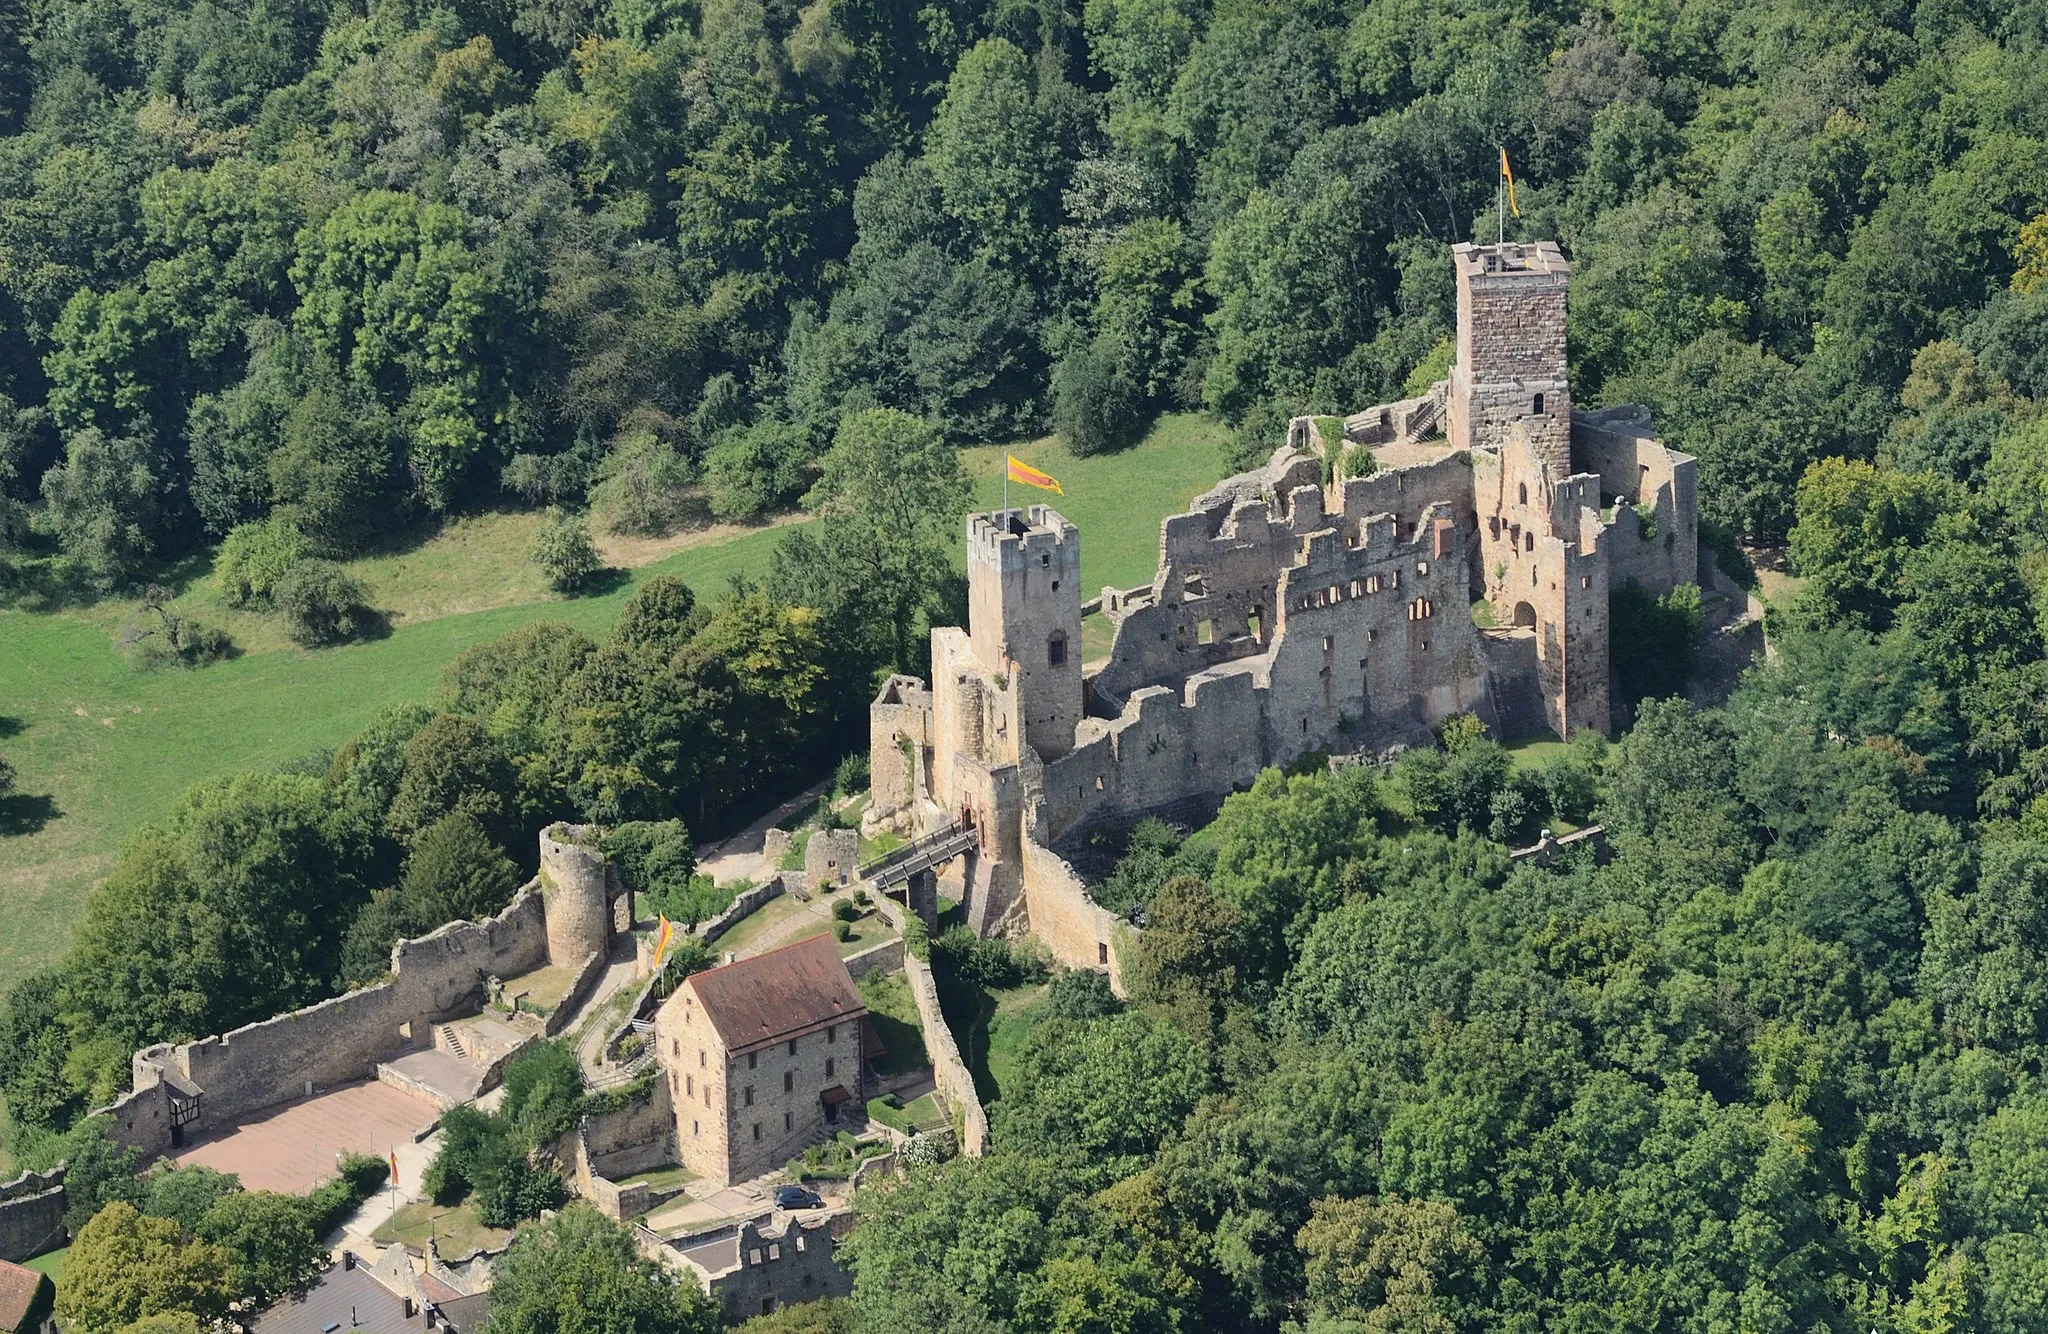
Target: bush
321,604
254,558
562,550
751,470
851,778
640,486
180,641
917,940
842,931
357,1177
925,1150
991,964
845,910
551,478
1096,408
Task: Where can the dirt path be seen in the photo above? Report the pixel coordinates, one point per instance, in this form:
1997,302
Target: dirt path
738,856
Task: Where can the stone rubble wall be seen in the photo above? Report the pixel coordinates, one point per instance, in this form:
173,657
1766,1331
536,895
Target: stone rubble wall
1079,932
949,1071
32,1214
438,977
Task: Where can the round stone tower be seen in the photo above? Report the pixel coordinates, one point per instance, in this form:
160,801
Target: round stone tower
576,893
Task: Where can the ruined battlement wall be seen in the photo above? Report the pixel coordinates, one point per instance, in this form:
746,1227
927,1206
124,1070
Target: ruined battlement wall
32,1214
1406,493
1632,463
899,735
1078,931
437,977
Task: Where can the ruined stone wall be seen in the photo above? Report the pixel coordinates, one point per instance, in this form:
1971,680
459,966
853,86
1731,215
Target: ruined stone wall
1079,932
1406,493
897,772
578,884
831,859
886,957
778,1270
1637,466
32,1214
437,977
634,1138
949,1071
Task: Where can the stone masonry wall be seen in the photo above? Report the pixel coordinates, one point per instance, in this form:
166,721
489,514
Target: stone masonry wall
1079,932
31,1214
949,1071
437,977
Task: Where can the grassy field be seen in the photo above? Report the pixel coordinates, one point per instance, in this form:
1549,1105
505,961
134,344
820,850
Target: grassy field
456,1231
101,748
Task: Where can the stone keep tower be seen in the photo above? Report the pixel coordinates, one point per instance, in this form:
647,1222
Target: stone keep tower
1510,367
1024,616
577,888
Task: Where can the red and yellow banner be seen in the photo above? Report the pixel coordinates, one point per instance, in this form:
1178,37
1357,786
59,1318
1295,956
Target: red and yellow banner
661,940
1030,476
1509,177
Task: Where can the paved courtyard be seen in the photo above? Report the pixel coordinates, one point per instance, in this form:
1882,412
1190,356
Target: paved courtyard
292,1148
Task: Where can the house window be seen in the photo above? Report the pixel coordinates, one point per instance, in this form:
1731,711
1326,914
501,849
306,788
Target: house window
788,1122
753,1060
1056,650
792,1046
695,1130
832,1033
757,1130
830,1066
750,1095
700,1058
690,1085
789,1081
675,1048
1538,409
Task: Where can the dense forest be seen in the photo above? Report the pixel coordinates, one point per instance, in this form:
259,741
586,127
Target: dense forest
287,270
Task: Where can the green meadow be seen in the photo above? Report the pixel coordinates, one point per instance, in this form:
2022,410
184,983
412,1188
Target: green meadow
101,748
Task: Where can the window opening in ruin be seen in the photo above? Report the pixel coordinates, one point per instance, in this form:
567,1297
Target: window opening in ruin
788,1121
750,1095
1530,541
1538,409
1304,724
757,1135
690,1085
1422,567
1525,493
1371,637
695,1130
789,1081
831,1066
831,1033
1425,646
1255,622
753,1060
700,1058
792,1046
1328,643
1055,585
1056,649
1098,783
1045,558
1372,583
1585,581
1102,953
1205,632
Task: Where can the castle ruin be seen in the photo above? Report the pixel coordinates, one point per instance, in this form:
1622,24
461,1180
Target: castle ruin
1291,614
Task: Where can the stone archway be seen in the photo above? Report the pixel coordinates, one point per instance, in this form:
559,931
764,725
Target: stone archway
1525,616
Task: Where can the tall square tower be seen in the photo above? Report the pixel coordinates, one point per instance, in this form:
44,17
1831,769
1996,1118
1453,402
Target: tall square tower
1024,616
1511,363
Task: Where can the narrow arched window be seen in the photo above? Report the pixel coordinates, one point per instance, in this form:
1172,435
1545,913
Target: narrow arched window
1525,493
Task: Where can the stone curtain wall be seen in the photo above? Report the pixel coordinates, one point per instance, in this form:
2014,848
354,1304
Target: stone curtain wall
32,1214
434,978
593,968
949,1071
1080,932
740,906
886,957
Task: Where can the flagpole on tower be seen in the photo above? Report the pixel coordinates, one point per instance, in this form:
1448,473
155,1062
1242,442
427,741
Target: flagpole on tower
1500,198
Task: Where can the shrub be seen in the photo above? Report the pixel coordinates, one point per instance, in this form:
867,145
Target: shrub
925,1150
553,478
992,964
321,604
562,550
753,469
851,778
917,940
842,930
640,486
1096,408
845,910
254,558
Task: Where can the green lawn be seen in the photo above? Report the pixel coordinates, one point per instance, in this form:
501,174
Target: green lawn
894,1014
50,1262
101,748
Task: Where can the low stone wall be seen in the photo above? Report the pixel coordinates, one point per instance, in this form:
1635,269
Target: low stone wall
741,905
1078,931
586,978
437,977
32,1214
949,1071
886,957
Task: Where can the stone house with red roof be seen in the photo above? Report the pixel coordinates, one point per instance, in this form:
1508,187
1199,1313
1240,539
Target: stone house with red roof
762,1058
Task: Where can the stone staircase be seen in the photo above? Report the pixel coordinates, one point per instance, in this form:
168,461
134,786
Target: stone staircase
448,1040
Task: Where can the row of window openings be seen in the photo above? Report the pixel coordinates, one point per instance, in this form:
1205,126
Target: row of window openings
1370,584
788,1083
675,1049
788,1126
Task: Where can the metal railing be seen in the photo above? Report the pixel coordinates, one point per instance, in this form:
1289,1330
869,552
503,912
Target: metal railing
922,854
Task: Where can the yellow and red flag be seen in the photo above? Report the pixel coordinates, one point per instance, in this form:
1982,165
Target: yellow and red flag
394,1169
661,940
1021,471
1509,177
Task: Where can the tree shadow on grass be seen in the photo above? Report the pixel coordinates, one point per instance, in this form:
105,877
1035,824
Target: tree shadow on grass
10,726
24,813
598,583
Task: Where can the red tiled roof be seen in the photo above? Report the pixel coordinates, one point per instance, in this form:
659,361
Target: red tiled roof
758,1000
18,1289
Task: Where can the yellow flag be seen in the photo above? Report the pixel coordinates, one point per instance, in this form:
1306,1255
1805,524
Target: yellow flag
1030,476
1509,177
661,940
394,1169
